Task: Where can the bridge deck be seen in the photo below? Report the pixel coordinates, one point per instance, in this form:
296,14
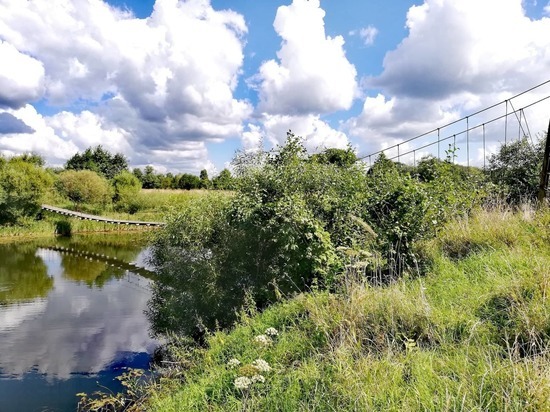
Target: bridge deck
85,216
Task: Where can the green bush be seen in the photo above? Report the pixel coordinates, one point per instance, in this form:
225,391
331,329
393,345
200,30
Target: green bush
22,186
516,169
293,223
84,186
126,189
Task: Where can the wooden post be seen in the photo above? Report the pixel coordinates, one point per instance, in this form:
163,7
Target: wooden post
545,172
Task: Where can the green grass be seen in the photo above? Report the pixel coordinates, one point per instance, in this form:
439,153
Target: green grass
470,335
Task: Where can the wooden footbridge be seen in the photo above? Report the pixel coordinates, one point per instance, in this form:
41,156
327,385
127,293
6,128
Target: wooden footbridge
85,216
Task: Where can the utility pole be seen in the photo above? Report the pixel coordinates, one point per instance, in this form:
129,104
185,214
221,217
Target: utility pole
545,172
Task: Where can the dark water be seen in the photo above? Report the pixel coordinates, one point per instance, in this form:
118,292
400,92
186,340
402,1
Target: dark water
71,319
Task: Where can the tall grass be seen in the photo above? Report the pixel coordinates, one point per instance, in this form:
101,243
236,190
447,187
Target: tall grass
471,335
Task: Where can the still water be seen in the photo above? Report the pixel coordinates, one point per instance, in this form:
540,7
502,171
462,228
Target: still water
71,319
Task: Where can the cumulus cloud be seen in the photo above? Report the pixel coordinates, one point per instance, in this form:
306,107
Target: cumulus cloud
10,124
368,34
460,46
547,9
21,77
312,73
456,59
317,134
163,83
40,137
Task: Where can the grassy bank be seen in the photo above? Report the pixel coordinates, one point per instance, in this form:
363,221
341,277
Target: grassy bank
472,334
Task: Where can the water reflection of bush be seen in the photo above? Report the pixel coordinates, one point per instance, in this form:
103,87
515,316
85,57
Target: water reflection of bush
23,275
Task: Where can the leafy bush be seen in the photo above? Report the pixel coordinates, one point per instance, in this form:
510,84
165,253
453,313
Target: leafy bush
516,168
126,189
22,186
292,224
84,186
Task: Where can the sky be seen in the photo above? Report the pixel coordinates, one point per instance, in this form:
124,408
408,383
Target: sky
182,85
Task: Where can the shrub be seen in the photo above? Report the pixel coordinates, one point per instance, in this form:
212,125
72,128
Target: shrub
516,168
126,188
22,186
84,186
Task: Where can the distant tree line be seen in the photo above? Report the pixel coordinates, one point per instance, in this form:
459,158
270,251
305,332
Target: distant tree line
150,179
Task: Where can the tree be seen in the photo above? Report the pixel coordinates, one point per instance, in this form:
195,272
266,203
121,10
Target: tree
224,181
515,169
22,186
338,157
84,186
150,180
32,158
204,180
98,160
188,181
138,173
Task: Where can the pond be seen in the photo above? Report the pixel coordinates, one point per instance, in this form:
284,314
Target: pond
72,317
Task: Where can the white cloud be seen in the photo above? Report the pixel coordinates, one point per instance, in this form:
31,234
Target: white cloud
42,139
312,74
317,134
457,59
547,9
163,82
460,46
368,34
21,77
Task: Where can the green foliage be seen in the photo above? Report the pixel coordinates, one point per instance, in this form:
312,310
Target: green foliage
338,157
22,186
63,228
150,180
292,224
98,160
84,186
224,181
32,158
188,181
279,233
126,189
406,208
204,180
516,169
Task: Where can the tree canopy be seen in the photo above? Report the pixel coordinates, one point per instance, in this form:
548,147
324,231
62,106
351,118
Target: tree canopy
98,160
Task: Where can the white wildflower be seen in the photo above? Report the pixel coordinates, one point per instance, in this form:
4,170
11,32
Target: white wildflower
263,340
242,382
261,365
271,332
258,378
233,363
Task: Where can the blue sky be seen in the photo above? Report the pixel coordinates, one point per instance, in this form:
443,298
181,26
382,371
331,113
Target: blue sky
184,84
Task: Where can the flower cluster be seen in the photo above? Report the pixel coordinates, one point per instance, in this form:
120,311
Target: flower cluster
242,382
233,363
263,340
258,379
254,372
261,365
271,332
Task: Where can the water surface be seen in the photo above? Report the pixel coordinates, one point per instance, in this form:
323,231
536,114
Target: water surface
71,319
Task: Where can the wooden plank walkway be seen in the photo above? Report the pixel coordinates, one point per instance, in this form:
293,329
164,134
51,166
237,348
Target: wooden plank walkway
85,216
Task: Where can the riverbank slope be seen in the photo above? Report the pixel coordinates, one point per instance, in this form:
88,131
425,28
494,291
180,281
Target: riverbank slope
471,334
